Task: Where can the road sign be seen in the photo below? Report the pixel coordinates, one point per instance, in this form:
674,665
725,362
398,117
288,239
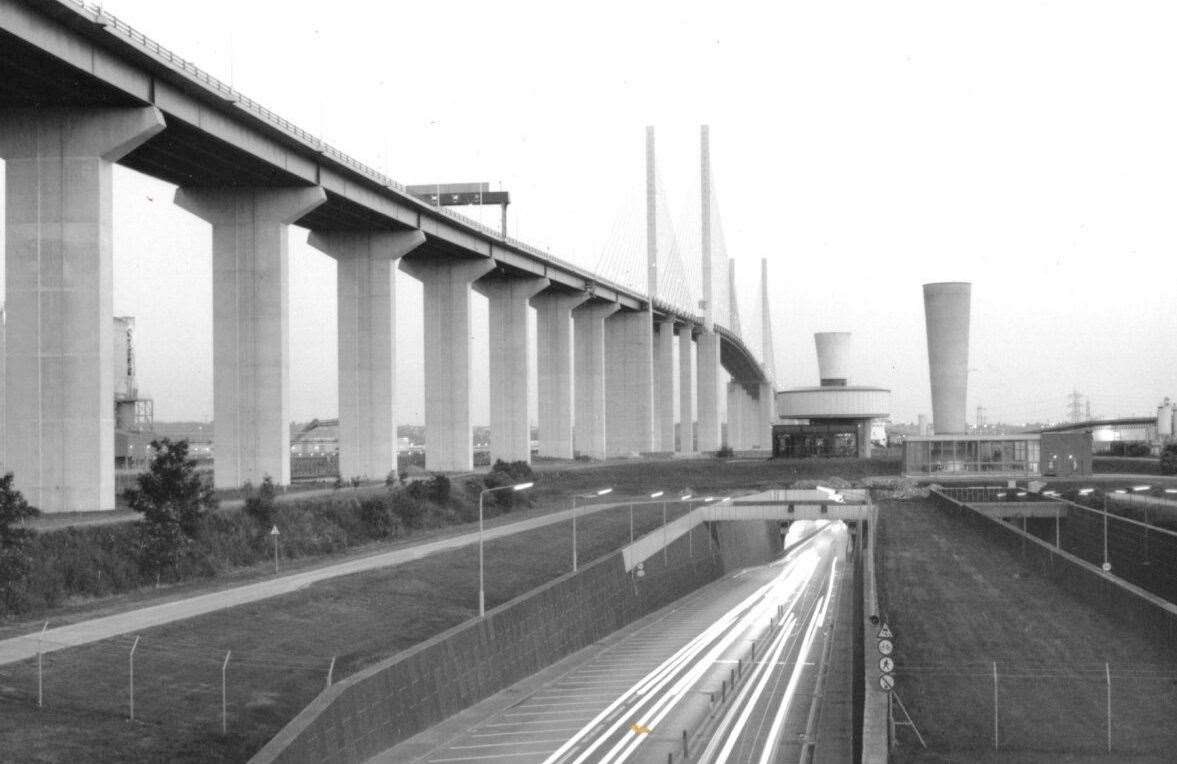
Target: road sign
887,682
885,632
886,664
1107,567
885,647
274,531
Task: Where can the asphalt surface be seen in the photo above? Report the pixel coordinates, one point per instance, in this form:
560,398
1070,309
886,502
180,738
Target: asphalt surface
633,695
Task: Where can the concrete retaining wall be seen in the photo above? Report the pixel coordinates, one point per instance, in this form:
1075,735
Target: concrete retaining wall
384,704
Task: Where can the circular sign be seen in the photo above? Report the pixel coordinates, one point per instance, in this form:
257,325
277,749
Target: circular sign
887,682
1107,567
885,647
886,664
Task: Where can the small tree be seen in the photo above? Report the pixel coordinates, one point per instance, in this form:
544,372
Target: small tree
1169,460
260,506
172,498
14,539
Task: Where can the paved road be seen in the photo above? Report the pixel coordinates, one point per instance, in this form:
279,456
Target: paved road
632,695
93,630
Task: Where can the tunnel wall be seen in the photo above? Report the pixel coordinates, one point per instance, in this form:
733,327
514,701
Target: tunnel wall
374,709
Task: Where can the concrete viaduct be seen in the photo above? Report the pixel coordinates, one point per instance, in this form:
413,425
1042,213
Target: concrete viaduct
80,90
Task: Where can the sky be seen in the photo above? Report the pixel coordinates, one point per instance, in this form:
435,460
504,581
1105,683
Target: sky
862,148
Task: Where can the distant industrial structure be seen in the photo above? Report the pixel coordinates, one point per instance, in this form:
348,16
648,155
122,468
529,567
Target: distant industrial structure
835,418
134,414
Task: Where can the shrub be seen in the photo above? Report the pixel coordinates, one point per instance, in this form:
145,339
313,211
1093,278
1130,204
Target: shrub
410,510
377,517
15,540
724,452
1138,449
1169,460
259,507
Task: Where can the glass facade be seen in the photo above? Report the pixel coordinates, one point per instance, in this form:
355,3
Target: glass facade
830,438
1008,455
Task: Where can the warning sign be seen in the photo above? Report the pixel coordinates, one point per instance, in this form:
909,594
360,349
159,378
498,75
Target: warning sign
887,682
886,647
885,632
886,664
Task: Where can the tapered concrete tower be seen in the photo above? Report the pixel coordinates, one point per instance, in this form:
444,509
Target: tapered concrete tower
946,310
833,358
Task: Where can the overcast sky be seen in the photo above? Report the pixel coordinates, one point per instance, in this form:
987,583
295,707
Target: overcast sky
863,148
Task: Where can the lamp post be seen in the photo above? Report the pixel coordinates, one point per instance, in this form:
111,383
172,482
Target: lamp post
481,574
576,496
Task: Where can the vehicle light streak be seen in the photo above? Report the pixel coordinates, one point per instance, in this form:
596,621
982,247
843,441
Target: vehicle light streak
649,700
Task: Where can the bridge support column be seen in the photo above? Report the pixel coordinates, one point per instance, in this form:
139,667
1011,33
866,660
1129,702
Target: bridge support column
737,416
629,383
664,374
366,290
449,431
59,283
251,334
686,391
588,326
765,416
553,312
510,341
709,391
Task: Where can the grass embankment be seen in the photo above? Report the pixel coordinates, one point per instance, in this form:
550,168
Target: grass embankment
959,602
281,652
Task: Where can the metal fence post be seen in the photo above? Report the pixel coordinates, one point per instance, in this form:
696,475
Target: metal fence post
40,651
995,737
1108,673
224,695
131,660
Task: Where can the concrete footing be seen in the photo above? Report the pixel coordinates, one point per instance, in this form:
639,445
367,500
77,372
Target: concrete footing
59,408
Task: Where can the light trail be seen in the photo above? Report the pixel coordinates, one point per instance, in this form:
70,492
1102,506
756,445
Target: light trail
627,721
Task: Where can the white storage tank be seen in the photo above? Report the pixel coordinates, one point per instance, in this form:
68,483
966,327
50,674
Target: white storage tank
1165,420
946,312
833,358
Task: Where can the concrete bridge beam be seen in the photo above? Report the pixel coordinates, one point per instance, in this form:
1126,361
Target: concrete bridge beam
664,377
709,390
59,410
448,428
510,342
251,333
629,383
588,326
554,371
686,391
366,290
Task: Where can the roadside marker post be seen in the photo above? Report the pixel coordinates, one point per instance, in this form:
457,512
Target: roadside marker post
274,533
40,652
132,677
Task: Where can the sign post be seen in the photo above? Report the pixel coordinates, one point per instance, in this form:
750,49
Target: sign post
274,535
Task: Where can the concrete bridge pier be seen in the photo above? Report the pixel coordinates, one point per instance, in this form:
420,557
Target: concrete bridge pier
510,342
588,326
366,290
251,333
553,312
737,416
449,431
59,428
664,376
709,390
686,390
629,383
765,415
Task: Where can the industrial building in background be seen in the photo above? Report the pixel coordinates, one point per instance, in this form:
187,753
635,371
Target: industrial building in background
134,414
835,418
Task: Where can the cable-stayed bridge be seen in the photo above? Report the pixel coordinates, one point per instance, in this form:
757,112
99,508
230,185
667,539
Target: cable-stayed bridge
80,90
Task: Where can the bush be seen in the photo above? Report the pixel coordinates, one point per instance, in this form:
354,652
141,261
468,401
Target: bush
1169,460
15,540
259,507
505,474
378,519
410,510
724,452
1138,449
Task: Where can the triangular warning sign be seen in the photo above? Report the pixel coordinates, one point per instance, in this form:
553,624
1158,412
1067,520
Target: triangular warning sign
885,632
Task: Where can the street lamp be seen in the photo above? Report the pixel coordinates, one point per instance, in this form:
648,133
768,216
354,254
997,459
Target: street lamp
576,496
654,495
481,575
